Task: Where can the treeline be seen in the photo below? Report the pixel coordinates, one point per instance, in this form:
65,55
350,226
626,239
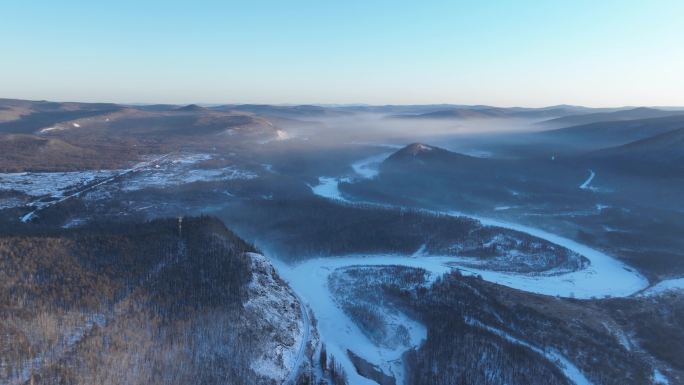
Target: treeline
331,371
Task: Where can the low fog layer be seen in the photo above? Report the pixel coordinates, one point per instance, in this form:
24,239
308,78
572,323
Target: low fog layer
380,128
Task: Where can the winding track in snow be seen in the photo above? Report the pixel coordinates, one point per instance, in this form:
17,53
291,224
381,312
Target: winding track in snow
296,367
585,185
605,276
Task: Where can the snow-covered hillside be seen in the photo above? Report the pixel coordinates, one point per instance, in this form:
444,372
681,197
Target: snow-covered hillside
277,312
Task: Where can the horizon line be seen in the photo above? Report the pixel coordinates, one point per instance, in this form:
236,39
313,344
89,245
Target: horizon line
342,105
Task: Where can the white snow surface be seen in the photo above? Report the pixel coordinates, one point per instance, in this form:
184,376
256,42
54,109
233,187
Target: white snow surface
502,208
328,187
180,169
310,280
53,184
585,185
366,168
48,129
176,176
659,378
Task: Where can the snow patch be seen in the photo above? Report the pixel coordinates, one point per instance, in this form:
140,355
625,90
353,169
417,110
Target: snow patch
48,129
74,222
159,178
181,171
659,378
328,187
502,208
52,184
282,135
585,185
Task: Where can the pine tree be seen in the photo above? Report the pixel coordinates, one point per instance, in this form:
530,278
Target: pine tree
323,358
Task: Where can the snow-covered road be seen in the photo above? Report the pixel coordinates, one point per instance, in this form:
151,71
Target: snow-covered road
296,367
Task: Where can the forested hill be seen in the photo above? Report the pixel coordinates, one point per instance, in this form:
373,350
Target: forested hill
90,305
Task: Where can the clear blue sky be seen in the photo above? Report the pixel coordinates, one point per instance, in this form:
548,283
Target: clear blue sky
599,52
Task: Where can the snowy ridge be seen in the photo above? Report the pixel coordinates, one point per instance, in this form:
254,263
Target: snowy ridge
272,303
299,360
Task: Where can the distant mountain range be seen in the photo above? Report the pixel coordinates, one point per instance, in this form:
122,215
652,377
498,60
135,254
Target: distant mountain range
629,114
613,133
66,135
661,154
488,112
49,136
